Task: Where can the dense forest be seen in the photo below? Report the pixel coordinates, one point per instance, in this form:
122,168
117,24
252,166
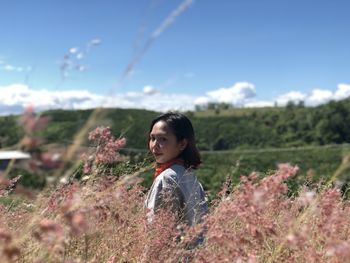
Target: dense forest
290,126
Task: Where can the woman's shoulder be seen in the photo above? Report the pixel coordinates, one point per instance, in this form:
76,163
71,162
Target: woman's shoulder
171,174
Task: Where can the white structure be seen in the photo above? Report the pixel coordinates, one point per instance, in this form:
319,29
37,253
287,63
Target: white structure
7,156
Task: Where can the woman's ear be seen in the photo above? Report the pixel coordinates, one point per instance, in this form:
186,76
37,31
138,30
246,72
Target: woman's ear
183,144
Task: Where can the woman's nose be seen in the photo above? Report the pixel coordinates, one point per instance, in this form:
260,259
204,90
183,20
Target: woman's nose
154,144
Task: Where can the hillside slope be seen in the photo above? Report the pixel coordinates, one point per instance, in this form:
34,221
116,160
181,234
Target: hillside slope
288,126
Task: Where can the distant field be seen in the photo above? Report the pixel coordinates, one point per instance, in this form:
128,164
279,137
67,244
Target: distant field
237,112
315,164
223,135
318,162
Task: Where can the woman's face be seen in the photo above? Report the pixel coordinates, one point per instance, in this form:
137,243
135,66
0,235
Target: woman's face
163,144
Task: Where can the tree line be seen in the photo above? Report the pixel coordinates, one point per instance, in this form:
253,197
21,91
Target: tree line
290,126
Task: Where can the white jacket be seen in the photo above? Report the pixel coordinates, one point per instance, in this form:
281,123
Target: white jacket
178,189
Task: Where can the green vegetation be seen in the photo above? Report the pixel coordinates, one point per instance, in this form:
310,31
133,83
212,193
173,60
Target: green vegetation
233,141
131,123
10,133
315,163
230,128
293,125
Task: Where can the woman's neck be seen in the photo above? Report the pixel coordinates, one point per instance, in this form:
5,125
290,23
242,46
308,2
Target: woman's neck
160,167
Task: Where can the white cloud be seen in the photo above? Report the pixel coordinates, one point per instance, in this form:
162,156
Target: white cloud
202,100
73,50
237,94
150,90
80,55
19,96
319,96
12,68
95,42
316,96
9,68
295,96
342,92
16,97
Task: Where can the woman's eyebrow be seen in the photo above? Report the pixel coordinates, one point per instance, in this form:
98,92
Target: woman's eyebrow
158,133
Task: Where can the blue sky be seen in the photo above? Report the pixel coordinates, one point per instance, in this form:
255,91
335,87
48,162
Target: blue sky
245,52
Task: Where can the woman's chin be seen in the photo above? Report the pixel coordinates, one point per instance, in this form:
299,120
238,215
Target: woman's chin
160,160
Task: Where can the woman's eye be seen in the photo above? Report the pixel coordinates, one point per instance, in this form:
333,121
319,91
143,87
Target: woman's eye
158,139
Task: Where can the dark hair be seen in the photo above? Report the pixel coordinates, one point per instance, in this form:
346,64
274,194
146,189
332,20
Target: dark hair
182,127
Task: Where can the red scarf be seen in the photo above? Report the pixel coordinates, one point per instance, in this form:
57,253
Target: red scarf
160,167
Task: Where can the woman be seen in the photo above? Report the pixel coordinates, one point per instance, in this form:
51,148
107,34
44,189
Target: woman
175,187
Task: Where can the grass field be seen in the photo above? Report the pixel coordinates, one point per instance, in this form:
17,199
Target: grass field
315,163
101,218
237,112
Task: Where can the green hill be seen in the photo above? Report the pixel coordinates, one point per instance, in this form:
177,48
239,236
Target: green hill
290,126
233,142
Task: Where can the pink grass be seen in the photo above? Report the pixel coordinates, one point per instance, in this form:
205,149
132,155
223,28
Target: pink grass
104,220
